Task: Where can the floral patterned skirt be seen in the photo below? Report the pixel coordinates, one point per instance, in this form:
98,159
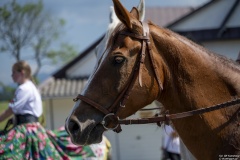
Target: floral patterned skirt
31,141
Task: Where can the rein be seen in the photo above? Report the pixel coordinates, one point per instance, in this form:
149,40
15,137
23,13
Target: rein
168,117
111,112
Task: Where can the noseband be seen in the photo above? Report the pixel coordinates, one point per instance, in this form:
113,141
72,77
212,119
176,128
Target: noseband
119,103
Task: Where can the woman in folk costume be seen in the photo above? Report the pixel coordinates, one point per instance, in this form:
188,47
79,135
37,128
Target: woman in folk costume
28,139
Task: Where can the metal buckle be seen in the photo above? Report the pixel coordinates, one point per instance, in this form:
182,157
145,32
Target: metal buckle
104,122
123,106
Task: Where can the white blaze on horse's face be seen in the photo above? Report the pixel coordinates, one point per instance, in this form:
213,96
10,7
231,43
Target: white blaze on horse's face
83,124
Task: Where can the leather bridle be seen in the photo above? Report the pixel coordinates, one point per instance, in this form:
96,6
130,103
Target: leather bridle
119,103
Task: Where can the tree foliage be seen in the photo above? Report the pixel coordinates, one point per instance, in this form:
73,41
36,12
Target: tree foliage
29,27
6,92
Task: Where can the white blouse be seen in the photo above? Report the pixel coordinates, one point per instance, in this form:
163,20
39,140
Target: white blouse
170,143
27,100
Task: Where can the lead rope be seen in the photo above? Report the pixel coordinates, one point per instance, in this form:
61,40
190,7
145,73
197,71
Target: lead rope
168,117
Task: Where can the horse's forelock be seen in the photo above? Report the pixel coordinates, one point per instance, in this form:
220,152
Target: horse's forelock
113,36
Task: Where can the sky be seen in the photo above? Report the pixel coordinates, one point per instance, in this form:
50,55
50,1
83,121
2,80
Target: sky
86,21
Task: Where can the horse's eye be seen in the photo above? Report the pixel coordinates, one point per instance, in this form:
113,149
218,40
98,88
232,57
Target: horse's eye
119,59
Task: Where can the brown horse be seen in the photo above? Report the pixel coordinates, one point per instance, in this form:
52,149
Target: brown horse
180,74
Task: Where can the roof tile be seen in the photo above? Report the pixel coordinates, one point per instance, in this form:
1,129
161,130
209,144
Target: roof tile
163,16
53,88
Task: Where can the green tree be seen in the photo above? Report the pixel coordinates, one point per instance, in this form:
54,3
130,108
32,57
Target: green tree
28,26
6,92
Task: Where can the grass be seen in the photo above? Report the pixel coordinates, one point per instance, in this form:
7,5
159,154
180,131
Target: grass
4,106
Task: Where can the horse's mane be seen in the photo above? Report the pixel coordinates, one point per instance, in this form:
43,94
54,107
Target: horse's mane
219,59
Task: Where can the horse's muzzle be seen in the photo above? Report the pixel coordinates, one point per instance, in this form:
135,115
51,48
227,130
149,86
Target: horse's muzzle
72,127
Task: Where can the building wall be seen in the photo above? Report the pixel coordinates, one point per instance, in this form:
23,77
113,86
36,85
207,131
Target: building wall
84,68
57,111
136,142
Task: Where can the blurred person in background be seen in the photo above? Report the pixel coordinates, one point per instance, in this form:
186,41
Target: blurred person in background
171,144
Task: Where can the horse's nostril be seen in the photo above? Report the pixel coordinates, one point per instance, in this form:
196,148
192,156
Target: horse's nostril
73,127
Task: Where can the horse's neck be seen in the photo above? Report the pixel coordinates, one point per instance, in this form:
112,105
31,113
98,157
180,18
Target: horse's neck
196,79
194,76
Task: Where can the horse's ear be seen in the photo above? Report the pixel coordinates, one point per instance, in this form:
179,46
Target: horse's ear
135,12
141,10
122,13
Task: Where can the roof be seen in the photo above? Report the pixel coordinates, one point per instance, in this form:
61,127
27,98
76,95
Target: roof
163,16
55,88
212,34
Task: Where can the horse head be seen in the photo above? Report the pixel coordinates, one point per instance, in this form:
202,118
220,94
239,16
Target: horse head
113,78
